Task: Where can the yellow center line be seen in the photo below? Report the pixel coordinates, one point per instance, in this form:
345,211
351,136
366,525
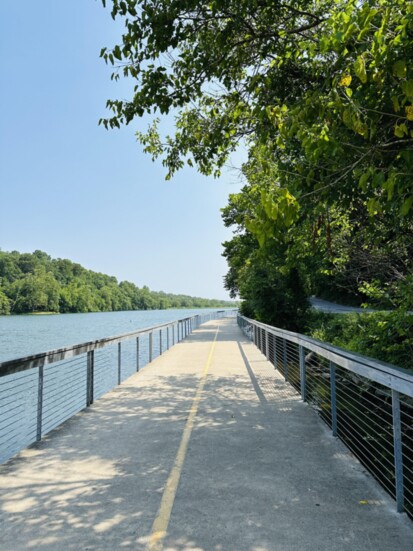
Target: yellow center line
161,522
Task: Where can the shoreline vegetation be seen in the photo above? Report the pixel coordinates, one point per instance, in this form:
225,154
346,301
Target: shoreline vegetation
36,284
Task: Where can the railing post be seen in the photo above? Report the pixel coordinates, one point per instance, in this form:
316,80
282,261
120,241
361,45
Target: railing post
333,398
90,377
267,345
285,359
137,353
119,363
173,335
398,451
302,372
167,338
150,347
160,342
40,403
275,352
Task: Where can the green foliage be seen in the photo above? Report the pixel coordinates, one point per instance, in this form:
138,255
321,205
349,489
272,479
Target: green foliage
326,86
4,304
340,254
321,95
387,336
272,289
37,283
272,296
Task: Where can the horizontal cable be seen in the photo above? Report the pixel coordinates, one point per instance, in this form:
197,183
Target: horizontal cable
51,404
367,428
370,464
17,435
365,442
354,426
13,414
69,410
49,386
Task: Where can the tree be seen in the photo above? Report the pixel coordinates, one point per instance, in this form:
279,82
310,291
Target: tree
326,87
35,282
36,292
321,94
4,304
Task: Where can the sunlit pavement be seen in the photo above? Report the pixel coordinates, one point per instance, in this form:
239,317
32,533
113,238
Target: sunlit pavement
211,432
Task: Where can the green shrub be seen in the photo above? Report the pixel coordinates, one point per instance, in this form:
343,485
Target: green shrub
386,336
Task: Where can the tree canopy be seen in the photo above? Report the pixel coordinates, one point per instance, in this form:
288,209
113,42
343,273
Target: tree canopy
35,282
326,86
320,93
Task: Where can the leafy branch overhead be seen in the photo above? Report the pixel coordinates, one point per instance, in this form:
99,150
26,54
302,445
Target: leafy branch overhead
325,85
320,93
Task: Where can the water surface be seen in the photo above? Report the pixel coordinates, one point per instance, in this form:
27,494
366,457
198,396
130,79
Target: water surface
26,335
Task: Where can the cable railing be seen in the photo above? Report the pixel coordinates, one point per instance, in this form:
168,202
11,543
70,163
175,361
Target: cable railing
368,404
39,392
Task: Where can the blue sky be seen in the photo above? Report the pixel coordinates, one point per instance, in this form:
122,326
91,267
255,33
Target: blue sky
77,191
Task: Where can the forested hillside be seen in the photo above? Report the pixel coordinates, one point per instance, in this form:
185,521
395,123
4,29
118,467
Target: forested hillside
35,282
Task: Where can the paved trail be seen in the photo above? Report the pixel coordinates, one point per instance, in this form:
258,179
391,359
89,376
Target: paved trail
207,449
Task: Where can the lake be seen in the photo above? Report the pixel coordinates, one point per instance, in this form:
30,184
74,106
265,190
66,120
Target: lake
65,382
26,335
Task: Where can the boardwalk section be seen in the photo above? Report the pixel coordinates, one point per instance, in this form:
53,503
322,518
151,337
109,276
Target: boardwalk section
206,449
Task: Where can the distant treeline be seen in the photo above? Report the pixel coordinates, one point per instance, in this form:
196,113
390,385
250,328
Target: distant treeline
35,282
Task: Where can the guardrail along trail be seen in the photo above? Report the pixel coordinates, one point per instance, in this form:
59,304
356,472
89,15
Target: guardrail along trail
207,448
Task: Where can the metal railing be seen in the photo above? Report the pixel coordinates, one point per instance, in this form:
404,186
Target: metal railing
368,404
40,392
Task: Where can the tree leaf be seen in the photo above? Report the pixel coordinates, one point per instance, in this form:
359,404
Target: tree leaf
409,112
364,178
407,87
345,80
400,130
400,69
396,104
406,206
360,69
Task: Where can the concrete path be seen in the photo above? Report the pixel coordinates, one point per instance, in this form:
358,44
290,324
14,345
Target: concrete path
207,449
